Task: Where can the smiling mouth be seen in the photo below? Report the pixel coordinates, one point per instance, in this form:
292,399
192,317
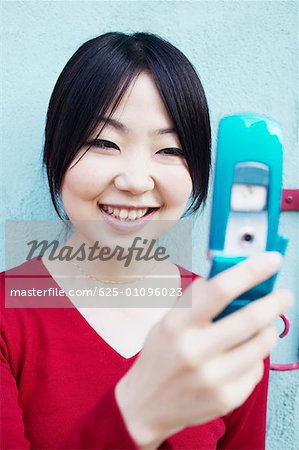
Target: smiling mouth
126,215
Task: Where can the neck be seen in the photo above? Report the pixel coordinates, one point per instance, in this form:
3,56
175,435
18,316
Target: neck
135,259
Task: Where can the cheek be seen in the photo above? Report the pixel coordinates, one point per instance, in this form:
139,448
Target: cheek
177,186
82,181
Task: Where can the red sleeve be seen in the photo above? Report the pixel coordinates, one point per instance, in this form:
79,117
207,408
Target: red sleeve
246,425
12,427
102,427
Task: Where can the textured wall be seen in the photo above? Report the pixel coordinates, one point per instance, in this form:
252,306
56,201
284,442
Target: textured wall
246,55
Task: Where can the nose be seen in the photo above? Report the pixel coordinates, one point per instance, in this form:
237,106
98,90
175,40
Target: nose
135,178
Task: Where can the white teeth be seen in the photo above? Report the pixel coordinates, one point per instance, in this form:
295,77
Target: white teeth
125,214
132,215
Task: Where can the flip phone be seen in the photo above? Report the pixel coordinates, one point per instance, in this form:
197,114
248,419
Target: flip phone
246,197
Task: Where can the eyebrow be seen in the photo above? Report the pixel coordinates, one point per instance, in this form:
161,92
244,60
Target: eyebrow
121,127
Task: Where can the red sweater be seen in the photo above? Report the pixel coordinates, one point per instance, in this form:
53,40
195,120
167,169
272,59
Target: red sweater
58,378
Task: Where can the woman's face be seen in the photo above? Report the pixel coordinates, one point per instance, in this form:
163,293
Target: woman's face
134,164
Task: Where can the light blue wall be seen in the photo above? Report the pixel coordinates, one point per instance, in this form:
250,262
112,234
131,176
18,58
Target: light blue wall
246,55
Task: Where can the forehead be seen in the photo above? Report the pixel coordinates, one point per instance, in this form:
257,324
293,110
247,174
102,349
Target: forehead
142,103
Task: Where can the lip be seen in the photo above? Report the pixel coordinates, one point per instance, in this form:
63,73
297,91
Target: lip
123,225
128,206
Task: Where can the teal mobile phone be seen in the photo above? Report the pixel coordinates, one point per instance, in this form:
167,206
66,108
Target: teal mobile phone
246,197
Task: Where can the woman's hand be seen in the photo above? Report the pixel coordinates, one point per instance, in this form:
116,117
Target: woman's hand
192,370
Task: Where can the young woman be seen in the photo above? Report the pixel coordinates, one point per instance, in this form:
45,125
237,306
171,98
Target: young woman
127,146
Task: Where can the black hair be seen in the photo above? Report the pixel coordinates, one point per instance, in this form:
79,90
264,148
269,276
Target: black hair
94,81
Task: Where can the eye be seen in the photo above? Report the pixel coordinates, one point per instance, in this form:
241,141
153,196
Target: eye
172,152
102,143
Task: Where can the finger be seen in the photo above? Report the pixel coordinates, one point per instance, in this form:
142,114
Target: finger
240,326
210,297
231,283
238,390
239,361
202,344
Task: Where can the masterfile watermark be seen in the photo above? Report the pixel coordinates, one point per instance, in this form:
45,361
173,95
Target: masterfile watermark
144,251
51,264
